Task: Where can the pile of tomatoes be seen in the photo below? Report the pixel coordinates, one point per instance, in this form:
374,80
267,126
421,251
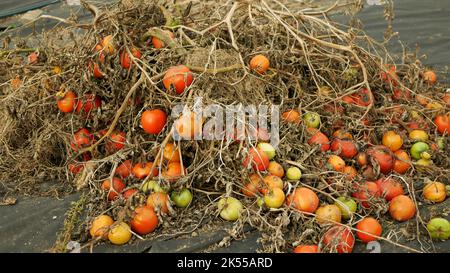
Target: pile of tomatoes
361,173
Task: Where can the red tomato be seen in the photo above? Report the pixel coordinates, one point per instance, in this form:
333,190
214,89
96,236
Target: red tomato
95,68
348,99
442,123
371,226
144,221
400,94
89,104
115,142
142,170
365,191
129,193
81,139
339,238
389,188
306,249
125,60
383,157
321,139
77,166
118,187
153,121
390,77
124,169
258,159
345,148
180,77
68,102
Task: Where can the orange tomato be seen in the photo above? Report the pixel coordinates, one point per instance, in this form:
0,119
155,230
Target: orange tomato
275,169
389,188
321,139
272,181
339,239
446,99
173,172
108,45
100,226
442,123
171,152
258,159
341,134
402,208
260,64
125,60
157,43
306,249
336,163
303,199
158,201
328,214
124,169
153,121
362,159
33,58
142,170
95,69
371,226
144,221
402,162
189,125
422,100
291,116
350,172
180,77
435,192
345,148
68,102
392,140
430,77
365,191
118,187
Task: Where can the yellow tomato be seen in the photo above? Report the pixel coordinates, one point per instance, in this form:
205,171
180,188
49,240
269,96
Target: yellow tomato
120,234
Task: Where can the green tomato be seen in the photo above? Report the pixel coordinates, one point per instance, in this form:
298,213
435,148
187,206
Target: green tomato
230,208
293,173
181,198
439,228
441,143
268,149
153,186
420,150
260,202
312,119
347,206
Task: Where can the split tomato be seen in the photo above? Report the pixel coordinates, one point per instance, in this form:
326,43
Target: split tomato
389,188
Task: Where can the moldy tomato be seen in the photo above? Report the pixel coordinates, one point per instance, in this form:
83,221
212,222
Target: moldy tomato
340,239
